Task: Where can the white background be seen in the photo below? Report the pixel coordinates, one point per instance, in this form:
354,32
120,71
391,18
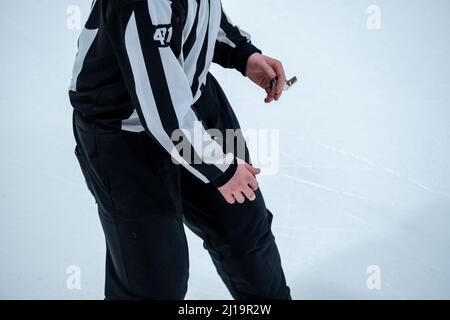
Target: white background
365,143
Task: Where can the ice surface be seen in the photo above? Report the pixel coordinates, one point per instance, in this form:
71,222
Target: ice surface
365,150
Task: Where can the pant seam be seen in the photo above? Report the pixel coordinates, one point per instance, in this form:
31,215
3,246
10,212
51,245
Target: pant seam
108,187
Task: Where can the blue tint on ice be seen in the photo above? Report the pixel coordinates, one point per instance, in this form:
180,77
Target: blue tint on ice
364,163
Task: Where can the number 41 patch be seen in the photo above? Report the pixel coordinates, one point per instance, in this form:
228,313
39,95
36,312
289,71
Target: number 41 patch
163,35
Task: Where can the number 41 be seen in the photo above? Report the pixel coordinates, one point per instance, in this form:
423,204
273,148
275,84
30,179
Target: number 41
163,35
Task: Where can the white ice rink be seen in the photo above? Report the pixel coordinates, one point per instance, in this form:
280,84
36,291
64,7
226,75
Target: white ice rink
364,174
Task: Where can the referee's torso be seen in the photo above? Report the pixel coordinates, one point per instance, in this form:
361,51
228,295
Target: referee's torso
142,65
189,27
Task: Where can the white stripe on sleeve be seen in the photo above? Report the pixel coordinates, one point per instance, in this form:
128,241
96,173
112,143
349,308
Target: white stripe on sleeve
145,95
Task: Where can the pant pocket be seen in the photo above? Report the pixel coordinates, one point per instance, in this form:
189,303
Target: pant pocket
84,170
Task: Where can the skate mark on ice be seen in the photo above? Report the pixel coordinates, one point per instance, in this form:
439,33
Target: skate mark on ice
324,187
377,200
406,178
375,166
303,165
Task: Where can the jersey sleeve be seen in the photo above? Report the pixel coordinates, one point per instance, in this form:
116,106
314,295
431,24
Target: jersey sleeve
233,46
146,36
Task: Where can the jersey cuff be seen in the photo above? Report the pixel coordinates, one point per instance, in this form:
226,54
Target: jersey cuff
221,180
243,52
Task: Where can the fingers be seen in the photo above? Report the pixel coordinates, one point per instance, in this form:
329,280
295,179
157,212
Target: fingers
239,197
281,81
254,184
270,97
249,193
254,171
242,185
246,191
229,198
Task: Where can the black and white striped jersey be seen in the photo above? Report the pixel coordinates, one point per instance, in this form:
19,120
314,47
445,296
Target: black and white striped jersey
141,65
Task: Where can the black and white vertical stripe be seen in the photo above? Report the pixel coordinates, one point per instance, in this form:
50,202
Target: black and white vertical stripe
164,81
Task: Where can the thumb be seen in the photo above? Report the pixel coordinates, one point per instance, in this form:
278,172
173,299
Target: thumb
253,170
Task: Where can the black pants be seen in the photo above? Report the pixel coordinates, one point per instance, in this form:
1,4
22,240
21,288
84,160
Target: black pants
144,199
